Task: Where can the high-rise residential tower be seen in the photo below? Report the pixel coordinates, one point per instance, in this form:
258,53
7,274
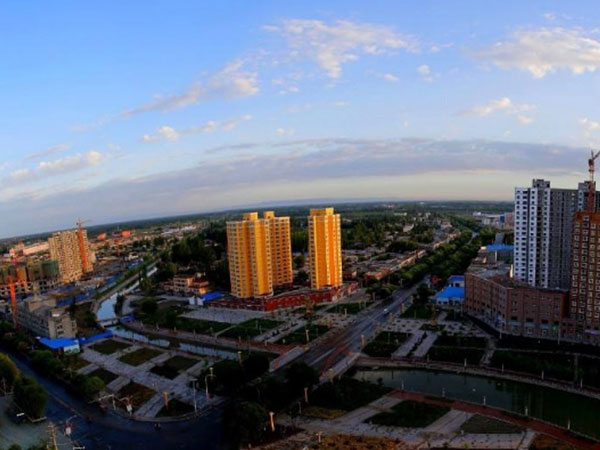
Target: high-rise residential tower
325,248
543,226
73,261
259,252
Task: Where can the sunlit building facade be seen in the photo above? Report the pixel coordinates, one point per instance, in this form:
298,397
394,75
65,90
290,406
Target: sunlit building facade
73,262
325,248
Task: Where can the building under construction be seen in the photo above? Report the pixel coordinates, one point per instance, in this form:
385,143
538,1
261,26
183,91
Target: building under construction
72,251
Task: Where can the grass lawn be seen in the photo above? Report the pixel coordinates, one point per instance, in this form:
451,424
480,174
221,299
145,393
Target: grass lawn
460,341
351,308
139,394
173,366
487,425
347,394
104,375
385,344
176,408
317,412
410,414
299,336
74,362
251,328
418,311
456,354
139,356
109,346
168,316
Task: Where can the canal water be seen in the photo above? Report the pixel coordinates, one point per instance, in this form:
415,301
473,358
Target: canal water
544,403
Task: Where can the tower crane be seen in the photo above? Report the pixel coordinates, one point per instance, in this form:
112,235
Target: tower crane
591,205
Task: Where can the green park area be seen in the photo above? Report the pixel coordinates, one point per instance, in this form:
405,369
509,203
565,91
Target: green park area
410,414
385,344
173,366
139,356
105,375
250,328
486,425
457,349
299,336
109,346
136,393
347,394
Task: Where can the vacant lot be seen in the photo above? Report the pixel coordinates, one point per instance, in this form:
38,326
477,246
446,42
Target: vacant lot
410,414
109,346
139,356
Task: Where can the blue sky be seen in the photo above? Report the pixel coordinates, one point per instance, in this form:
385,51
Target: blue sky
123,110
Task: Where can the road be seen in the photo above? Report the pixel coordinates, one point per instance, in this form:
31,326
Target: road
336,345
96,430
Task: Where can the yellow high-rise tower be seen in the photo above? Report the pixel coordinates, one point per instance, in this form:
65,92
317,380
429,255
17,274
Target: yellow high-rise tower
325,248
259,252
65,248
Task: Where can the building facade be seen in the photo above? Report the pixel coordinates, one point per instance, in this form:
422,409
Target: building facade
31,278
325,248
543,225
73,261
43,318
260,255
512,307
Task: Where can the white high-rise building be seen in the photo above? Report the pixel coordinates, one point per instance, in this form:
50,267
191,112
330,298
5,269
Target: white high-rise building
543,227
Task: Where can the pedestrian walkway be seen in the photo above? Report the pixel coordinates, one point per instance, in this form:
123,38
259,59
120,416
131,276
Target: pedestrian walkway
405,349
425,345
360,415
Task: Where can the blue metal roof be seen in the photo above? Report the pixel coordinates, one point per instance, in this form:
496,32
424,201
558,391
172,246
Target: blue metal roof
456,279
212,296
56,344
499,247
452,293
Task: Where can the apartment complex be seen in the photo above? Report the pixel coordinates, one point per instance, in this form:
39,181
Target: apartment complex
43,318
325,248
585,280
31,278
72,251
543,224
259,252
512,307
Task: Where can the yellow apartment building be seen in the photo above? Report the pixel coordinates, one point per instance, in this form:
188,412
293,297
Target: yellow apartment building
64,248
325,248
259,252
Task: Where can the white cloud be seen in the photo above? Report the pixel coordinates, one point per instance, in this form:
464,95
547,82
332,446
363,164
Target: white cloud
524,120
58,148
390,77
285,131
167,133
545,50
70,163
504,104
340,104
21,175
589,125
425,71
330,46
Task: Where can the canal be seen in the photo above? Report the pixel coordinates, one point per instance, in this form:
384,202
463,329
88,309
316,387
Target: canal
551,405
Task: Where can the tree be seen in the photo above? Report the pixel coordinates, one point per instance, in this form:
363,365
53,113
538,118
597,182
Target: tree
91,386
30,397
15,447
255,365
149,306
8,371
422,295
229,374
46,363
300,375
299,261
246,422
301,277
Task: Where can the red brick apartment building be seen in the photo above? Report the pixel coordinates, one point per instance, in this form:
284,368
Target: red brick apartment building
513,307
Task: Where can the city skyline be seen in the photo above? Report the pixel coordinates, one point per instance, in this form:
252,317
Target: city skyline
137,111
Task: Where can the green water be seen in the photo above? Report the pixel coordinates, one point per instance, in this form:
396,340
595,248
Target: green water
548,404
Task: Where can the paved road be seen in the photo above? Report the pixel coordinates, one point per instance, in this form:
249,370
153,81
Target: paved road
110,431
336,345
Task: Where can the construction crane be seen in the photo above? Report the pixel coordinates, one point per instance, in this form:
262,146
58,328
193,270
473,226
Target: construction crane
13,291
82,250
591,205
